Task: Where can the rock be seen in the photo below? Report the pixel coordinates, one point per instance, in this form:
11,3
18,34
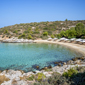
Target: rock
45,68
50,66
47,74
4,72
74,59
37,67
7,82
21,71
78,62
14,82
56,62
34,71
70,62
59,64
64,63
82,58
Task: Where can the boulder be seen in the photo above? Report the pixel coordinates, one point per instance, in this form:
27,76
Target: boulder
70,62
74,59
56,62
59,64
49,66
37,67
82,58
64,63
78,62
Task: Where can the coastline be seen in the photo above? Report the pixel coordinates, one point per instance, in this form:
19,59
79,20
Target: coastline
17,75
77,47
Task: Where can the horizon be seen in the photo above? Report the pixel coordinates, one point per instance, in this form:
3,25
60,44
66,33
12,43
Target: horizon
30,11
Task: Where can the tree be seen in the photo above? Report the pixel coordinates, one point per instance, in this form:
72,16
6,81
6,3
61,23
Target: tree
66,21
62,33
79,29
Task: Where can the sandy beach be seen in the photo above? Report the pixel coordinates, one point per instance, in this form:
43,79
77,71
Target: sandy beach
77,47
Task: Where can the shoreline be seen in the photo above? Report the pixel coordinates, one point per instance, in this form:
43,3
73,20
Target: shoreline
16,76
77,47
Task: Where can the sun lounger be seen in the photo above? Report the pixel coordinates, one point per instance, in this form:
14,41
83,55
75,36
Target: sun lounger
77,41
55,39
72,40
61,39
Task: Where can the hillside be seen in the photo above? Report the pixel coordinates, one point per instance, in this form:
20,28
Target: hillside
37,30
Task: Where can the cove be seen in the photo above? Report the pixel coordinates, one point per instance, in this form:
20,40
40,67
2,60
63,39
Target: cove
25,56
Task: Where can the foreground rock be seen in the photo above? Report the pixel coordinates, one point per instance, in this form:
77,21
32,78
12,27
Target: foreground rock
21,78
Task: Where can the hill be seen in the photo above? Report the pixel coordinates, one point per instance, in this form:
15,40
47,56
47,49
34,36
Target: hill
37,30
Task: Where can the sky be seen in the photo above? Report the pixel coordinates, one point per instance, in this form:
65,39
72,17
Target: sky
27,11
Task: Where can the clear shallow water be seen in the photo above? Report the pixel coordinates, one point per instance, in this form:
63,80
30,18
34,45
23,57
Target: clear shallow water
24,56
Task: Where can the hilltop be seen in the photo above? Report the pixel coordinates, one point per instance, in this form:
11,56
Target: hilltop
38,30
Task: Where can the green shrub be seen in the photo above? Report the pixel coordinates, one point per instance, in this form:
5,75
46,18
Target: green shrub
22,36
52,36
6,31
15,31
45,33
31,78
40,76
45,28
70,73
29,36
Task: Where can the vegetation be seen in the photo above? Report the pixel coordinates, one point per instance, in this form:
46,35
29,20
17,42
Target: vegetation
45,33
71,72
74,76
31,78
3,78
40,77
67,28
74,32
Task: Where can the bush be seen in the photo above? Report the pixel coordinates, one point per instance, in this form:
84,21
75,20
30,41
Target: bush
15,31
6,31
29,36
45,33
40,77
22,36
70,73
45,28
31,78
52,36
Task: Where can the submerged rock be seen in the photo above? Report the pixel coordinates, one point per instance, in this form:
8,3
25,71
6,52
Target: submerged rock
59,64
37,67
50,66
56,62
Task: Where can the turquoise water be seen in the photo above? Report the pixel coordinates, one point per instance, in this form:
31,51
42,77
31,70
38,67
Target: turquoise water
25,56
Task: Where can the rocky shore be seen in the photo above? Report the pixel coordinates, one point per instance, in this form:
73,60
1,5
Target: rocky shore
21,78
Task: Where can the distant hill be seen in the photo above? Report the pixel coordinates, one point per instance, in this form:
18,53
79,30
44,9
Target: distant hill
37,30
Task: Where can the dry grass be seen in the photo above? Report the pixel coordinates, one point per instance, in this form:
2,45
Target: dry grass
14,82
24,77
3,78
